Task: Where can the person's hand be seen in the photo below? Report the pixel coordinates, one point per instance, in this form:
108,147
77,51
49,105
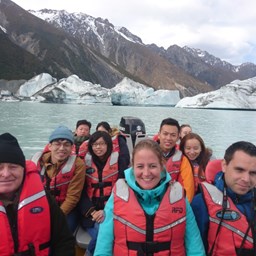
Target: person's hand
98,216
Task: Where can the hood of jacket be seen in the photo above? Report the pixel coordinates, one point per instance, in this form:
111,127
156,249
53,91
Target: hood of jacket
242,202
148,199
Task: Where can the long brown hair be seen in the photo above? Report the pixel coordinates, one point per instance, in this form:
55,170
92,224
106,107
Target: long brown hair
204,155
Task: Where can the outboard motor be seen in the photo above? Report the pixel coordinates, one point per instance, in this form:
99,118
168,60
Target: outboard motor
133,126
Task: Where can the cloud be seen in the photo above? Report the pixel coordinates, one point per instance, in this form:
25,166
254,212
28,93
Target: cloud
225,29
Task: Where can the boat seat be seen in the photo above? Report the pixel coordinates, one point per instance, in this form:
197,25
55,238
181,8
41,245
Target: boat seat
140,137
129,142
82,238
212,168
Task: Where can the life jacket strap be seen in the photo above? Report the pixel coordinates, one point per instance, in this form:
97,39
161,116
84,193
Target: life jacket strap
245,252
31,249
148,248
100,199
102,184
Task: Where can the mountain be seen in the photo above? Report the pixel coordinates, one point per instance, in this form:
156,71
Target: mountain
236,95
125,50
104,37
58,53
62,44
204,66
24,63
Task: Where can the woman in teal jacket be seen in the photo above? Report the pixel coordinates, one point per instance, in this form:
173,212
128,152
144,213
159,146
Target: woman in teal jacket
147,196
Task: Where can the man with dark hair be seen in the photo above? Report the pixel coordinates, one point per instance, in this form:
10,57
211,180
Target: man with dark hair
176,163
81,137
226,211
31,223
63,174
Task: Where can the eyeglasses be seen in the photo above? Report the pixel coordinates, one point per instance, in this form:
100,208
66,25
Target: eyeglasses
58,144
100,144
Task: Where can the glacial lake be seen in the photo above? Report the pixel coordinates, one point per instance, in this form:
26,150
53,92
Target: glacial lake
33,122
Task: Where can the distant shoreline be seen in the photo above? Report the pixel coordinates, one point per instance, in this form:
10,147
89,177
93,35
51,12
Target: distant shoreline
229,109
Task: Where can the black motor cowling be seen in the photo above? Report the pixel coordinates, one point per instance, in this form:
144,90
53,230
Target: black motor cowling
133,126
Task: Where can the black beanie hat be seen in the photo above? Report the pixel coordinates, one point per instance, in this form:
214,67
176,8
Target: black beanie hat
10,151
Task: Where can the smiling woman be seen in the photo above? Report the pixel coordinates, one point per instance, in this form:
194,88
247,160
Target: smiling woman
147,164
102,171
144,203
192,146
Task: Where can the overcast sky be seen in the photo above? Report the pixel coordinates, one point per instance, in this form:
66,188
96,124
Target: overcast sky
224,28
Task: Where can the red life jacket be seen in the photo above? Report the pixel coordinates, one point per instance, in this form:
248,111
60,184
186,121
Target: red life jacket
233,226
160,234
173,166
59,183
115,142
83,149
155,137
33,219
99,188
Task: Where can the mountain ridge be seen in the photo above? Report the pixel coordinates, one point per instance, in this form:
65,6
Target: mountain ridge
99,52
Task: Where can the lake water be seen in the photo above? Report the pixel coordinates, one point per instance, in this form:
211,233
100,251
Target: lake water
32,122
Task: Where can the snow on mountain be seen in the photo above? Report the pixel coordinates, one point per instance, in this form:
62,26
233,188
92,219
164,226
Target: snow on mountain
128,92
236,95
210,59
83,24
3,29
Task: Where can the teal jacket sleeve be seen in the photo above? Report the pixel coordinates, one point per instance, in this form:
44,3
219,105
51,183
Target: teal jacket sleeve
193,241
104,245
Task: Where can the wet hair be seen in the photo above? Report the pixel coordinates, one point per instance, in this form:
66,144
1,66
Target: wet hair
106,137
105,125
245,146
170,121
151,145
85,122
204,155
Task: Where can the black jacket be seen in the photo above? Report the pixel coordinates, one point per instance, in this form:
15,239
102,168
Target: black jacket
124,156
62,240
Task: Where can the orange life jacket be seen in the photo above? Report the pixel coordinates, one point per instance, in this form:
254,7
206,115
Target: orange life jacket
160,234
33,219
233,226
99,188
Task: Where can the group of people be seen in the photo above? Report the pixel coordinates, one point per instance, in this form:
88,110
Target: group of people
157,203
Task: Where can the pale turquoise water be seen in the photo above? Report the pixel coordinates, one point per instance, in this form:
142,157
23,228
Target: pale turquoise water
32,123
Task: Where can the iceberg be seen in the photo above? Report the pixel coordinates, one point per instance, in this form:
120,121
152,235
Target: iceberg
45,88
236,95
131,93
